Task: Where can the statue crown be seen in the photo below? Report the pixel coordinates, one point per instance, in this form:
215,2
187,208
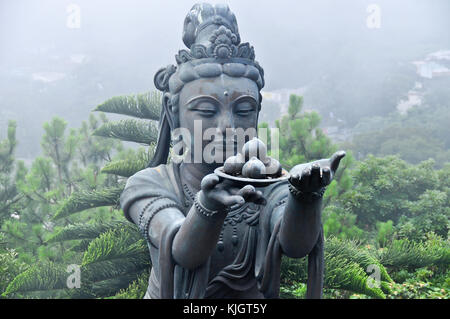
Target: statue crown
212,36
219,42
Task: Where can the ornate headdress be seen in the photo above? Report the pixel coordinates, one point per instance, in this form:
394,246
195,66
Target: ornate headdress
212,36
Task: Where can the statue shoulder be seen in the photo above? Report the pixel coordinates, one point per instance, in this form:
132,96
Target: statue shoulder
149,176
148,183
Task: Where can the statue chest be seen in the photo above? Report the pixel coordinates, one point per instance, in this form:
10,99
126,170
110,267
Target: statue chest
232,238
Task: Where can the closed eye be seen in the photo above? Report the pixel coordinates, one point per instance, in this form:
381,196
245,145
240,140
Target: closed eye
204,107
245,108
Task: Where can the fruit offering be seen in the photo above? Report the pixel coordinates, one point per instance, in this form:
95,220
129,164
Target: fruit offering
253,162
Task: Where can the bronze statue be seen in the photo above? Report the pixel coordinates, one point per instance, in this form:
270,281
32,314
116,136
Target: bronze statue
208,237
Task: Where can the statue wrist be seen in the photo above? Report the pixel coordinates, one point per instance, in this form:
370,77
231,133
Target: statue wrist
308,197
204,206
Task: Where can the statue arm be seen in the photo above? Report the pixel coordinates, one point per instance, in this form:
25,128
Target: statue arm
194,241
301,220
156,212
300,226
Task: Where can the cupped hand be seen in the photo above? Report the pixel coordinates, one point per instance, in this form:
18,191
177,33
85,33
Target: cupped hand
311,177
218,194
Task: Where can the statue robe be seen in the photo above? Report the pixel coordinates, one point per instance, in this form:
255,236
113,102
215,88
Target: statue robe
253,271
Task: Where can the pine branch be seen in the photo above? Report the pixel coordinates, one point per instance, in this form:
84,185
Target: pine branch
116,243
354,252
412,255
107,287
115,254
345,268
136,290
129,166
39,278
138,131
83,231
83,200
144,106
81,246
105,270
341,273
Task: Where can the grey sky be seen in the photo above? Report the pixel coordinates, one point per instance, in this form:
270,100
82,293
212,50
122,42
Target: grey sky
126,42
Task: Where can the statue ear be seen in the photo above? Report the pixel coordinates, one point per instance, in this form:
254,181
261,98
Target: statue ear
170,110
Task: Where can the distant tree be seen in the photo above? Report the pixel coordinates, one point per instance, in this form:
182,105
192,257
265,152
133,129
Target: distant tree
389,188
69,180
301,140
422,133
10,201
9,195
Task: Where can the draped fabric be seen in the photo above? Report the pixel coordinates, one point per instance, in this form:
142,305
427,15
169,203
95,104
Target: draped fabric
238,276
257,263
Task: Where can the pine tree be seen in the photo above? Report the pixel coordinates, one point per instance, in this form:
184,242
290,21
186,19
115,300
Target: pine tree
9,195
112,255
10,201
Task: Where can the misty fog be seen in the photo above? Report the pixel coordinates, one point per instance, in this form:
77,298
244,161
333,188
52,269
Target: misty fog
325,49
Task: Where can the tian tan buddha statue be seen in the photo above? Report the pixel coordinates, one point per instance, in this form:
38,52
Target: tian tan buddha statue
208,237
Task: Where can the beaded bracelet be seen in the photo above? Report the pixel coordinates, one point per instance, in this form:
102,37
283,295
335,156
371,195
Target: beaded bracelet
307,197
203,210
144,227
141,214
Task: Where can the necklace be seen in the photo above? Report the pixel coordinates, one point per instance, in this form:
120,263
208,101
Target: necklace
232,219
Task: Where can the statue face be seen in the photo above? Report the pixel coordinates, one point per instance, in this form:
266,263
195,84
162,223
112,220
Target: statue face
222,105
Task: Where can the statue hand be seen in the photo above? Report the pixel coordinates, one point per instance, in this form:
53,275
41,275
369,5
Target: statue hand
311,177
217,195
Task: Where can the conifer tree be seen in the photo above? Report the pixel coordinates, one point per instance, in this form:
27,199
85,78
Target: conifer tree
68,182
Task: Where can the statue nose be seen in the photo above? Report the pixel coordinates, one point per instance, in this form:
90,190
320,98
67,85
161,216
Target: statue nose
226,122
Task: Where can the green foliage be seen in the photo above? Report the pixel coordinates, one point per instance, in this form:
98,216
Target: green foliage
46,277
10,267
136,290
346,268
340,223
407,254
121,242
138,131
9,195
119,256
130,164
385,232
144,106
82,231
424,283
389,188
82,200
301,140
430,213
68,180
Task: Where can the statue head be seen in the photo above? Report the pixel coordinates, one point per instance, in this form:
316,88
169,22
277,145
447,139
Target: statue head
216,82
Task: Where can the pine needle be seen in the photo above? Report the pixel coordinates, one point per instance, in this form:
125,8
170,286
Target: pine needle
83,200
144,106
138,131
